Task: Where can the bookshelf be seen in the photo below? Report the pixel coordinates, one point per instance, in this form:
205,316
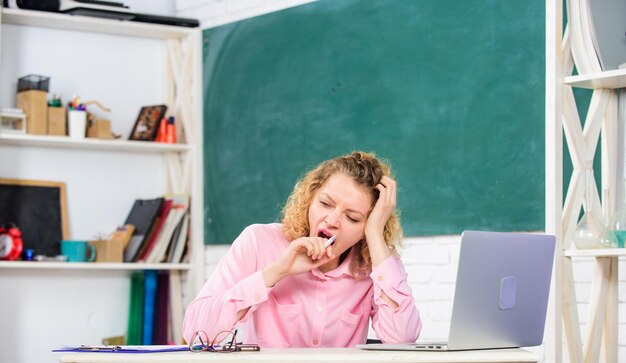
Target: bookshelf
104,177
612,79
570,47
94,266
92,144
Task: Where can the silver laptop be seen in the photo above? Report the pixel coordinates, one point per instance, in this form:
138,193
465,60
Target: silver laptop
501,295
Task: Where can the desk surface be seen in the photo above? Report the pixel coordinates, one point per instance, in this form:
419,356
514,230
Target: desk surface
304,355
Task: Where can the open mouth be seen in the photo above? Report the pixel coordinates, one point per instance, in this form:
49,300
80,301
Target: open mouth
323,234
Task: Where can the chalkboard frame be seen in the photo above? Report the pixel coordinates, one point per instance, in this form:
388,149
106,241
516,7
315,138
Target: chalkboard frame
57,187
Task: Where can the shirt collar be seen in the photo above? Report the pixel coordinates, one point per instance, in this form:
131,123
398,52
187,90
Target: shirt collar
342,269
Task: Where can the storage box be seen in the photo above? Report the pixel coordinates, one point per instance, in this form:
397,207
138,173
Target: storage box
12,121
57,125
109,251
33,82
35,106
99,129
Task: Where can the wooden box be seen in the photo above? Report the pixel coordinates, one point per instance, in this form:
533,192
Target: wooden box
99,129
57,125
109,251
113,249
35,106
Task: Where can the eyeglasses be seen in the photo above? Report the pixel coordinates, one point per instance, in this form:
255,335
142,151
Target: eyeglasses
200,343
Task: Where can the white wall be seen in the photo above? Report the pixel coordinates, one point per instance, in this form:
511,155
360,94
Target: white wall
121,73
430,261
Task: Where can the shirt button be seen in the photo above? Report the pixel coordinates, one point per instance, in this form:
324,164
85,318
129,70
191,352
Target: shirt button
315,341
380,277
320,308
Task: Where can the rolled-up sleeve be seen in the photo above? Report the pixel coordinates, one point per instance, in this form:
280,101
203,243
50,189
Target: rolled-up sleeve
400,325
236,284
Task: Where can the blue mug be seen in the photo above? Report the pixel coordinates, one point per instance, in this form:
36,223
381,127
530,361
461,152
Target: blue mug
78,251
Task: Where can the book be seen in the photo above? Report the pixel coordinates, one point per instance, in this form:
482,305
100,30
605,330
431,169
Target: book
175,236
135,311
163,239
181,241
142,216
150,288
150,241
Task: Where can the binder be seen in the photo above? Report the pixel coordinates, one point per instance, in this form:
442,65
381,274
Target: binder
135,311
150,289
142,216
161,311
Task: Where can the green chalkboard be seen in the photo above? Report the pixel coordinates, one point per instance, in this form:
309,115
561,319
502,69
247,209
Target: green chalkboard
450,92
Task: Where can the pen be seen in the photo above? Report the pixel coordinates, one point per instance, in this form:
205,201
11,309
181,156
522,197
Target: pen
330,241
100,348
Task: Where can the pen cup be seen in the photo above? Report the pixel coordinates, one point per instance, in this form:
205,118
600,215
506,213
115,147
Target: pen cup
77,123
78,251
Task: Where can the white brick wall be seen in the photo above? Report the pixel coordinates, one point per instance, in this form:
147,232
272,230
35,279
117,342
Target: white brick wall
431,261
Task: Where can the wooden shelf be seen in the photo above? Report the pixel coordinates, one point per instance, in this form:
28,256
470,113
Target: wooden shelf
608,252
95,144
609,79
92,265
92,24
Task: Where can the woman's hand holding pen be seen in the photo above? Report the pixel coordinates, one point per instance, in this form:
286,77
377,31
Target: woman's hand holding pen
302,255
375,227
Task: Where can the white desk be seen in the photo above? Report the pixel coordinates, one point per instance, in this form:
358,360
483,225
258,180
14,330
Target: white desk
304,355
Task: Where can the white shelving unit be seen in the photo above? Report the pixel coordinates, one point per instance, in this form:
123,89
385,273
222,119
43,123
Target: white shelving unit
565,48
181,166
93,25
94,266
609,252
609,79
92,144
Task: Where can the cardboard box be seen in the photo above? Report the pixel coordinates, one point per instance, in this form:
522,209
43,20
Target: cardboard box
109,251
99,129
113,249
57,125
35,106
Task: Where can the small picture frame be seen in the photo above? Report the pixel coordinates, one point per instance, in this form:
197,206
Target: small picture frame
147,124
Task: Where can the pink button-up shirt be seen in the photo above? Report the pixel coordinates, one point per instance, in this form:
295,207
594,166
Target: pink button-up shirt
312,309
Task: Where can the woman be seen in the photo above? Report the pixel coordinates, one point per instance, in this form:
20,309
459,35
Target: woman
289,290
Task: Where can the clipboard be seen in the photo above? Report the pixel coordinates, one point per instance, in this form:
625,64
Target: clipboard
136,349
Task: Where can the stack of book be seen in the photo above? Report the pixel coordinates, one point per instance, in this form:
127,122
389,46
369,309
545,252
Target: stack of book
161,230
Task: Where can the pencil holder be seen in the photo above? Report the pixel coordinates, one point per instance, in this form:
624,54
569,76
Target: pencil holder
77,123
57,125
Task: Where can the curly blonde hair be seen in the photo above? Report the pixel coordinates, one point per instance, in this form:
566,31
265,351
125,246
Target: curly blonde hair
367,171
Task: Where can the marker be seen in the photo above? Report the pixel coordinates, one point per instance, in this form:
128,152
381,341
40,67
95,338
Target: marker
330,241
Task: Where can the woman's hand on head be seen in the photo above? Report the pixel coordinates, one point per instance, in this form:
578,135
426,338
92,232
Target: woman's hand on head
384,207
303,255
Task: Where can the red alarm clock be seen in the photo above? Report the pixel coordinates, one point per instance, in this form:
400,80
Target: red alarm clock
10,243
